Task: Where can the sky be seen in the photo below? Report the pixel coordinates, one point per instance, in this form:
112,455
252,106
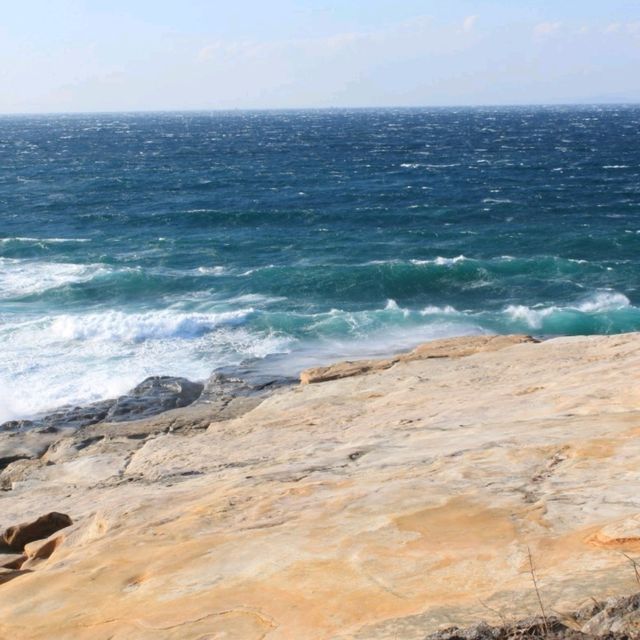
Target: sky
141,55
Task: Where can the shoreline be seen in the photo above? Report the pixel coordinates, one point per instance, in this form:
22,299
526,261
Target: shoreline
255,374
382,499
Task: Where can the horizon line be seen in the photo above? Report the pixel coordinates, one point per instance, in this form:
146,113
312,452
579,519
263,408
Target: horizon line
626,103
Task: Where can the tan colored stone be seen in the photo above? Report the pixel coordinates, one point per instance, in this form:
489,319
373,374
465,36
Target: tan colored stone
445,348
17,536
373,507
624,535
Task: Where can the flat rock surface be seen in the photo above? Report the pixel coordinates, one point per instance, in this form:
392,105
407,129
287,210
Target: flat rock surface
388,505
445,348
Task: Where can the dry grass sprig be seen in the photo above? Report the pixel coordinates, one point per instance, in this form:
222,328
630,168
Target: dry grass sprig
545,622
634,564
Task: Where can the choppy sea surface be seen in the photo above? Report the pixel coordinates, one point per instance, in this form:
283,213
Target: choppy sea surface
177,243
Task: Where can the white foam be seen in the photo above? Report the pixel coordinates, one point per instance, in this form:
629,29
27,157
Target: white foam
449,261
441,261
392,305
136,327
256,298
75,360
532,317
43,240
442,166
599,302
431,310
26,277
211,271
249,272
604,301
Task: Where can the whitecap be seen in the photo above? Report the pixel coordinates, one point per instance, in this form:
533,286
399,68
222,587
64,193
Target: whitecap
27,277
599,302
449,261
391,305
442,166
43,240
249,272
256,298
604,301
440,261
432,310
211,271
138,327
532,317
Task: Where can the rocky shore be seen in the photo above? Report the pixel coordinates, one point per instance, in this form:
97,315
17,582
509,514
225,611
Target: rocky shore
474,479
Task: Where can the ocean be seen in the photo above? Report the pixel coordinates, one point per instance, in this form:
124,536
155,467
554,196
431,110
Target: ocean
180,243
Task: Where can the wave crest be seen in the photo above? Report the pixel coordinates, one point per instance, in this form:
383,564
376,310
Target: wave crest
25,277
138,327
601,307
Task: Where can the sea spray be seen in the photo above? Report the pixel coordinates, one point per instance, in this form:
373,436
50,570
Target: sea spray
283,240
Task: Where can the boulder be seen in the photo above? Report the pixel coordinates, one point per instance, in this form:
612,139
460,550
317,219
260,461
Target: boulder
17,536
152,396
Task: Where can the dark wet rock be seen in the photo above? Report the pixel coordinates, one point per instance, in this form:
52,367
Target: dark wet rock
222,398
10,425
17,425
222,393
223,385
159,404
77,417
67,417
220,386
152,396
17,536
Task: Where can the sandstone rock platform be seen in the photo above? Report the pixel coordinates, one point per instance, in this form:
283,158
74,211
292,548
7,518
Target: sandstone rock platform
386,505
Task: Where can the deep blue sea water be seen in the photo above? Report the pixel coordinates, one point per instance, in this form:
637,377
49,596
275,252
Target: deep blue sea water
133,244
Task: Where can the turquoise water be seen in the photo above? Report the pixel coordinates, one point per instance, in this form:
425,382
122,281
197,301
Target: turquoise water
133,245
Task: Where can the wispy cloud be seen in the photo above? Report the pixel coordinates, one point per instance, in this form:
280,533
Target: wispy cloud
546,29
410,32
630,28
231,49
634,28
614,27
469,23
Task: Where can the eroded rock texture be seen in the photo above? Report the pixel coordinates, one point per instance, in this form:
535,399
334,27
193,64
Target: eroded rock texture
388,505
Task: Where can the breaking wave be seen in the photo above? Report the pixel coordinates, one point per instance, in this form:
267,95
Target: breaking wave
136,327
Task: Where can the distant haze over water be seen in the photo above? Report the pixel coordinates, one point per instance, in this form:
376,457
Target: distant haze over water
176,243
